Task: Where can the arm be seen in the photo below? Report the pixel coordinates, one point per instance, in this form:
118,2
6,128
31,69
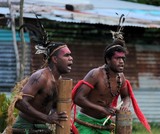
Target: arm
81,96
125,97
36,83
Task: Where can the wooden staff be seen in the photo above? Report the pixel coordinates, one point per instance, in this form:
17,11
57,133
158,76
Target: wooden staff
64,104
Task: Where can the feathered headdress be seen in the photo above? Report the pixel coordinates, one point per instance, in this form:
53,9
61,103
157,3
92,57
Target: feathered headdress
39,37
119,34
118,39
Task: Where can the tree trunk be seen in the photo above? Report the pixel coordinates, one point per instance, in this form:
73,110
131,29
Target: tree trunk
14,39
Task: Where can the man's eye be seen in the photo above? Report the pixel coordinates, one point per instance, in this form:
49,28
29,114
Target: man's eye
67,55
124,58
121,58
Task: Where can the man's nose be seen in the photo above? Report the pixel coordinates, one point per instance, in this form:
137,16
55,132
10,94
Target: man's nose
71,58
121,60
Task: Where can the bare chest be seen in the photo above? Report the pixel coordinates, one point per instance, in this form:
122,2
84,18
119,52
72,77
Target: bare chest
47,96
105,92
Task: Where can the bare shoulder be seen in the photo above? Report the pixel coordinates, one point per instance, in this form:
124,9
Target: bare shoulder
36,82
93,75
39,76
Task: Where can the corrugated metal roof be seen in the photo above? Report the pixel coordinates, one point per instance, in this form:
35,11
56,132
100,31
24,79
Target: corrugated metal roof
103,12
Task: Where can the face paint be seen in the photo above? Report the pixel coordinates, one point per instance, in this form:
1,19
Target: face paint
64,51
119,56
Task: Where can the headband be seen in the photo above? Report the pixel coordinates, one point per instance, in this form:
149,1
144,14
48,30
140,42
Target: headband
113,47
57,49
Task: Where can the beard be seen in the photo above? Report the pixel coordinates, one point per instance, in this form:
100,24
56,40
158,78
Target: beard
116,69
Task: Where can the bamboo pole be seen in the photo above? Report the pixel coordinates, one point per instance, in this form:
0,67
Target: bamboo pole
64,104
123,122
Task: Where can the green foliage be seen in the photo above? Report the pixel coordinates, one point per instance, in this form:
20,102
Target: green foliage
4,104
138,128
149,2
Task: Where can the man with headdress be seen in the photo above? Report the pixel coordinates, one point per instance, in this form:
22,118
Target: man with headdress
98,92
38,97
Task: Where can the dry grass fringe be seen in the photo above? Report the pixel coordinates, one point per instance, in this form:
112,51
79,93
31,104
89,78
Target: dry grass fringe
17,96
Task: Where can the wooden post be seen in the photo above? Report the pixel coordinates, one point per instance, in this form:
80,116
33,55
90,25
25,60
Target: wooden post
64,104
14,39
123,122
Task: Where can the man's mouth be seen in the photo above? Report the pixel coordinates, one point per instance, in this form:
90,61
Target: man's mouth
69,66
121,67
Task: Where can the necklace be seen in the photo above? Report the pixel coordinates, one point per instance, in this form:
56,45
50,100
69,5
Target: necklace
109,83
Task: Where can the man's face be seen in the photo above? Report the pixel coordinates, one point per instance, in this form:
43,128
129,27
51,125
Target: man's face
64,60
117,61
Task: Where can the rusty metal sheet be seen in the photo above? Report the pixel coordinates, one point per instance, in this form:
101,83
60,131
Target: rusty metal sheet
104,12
